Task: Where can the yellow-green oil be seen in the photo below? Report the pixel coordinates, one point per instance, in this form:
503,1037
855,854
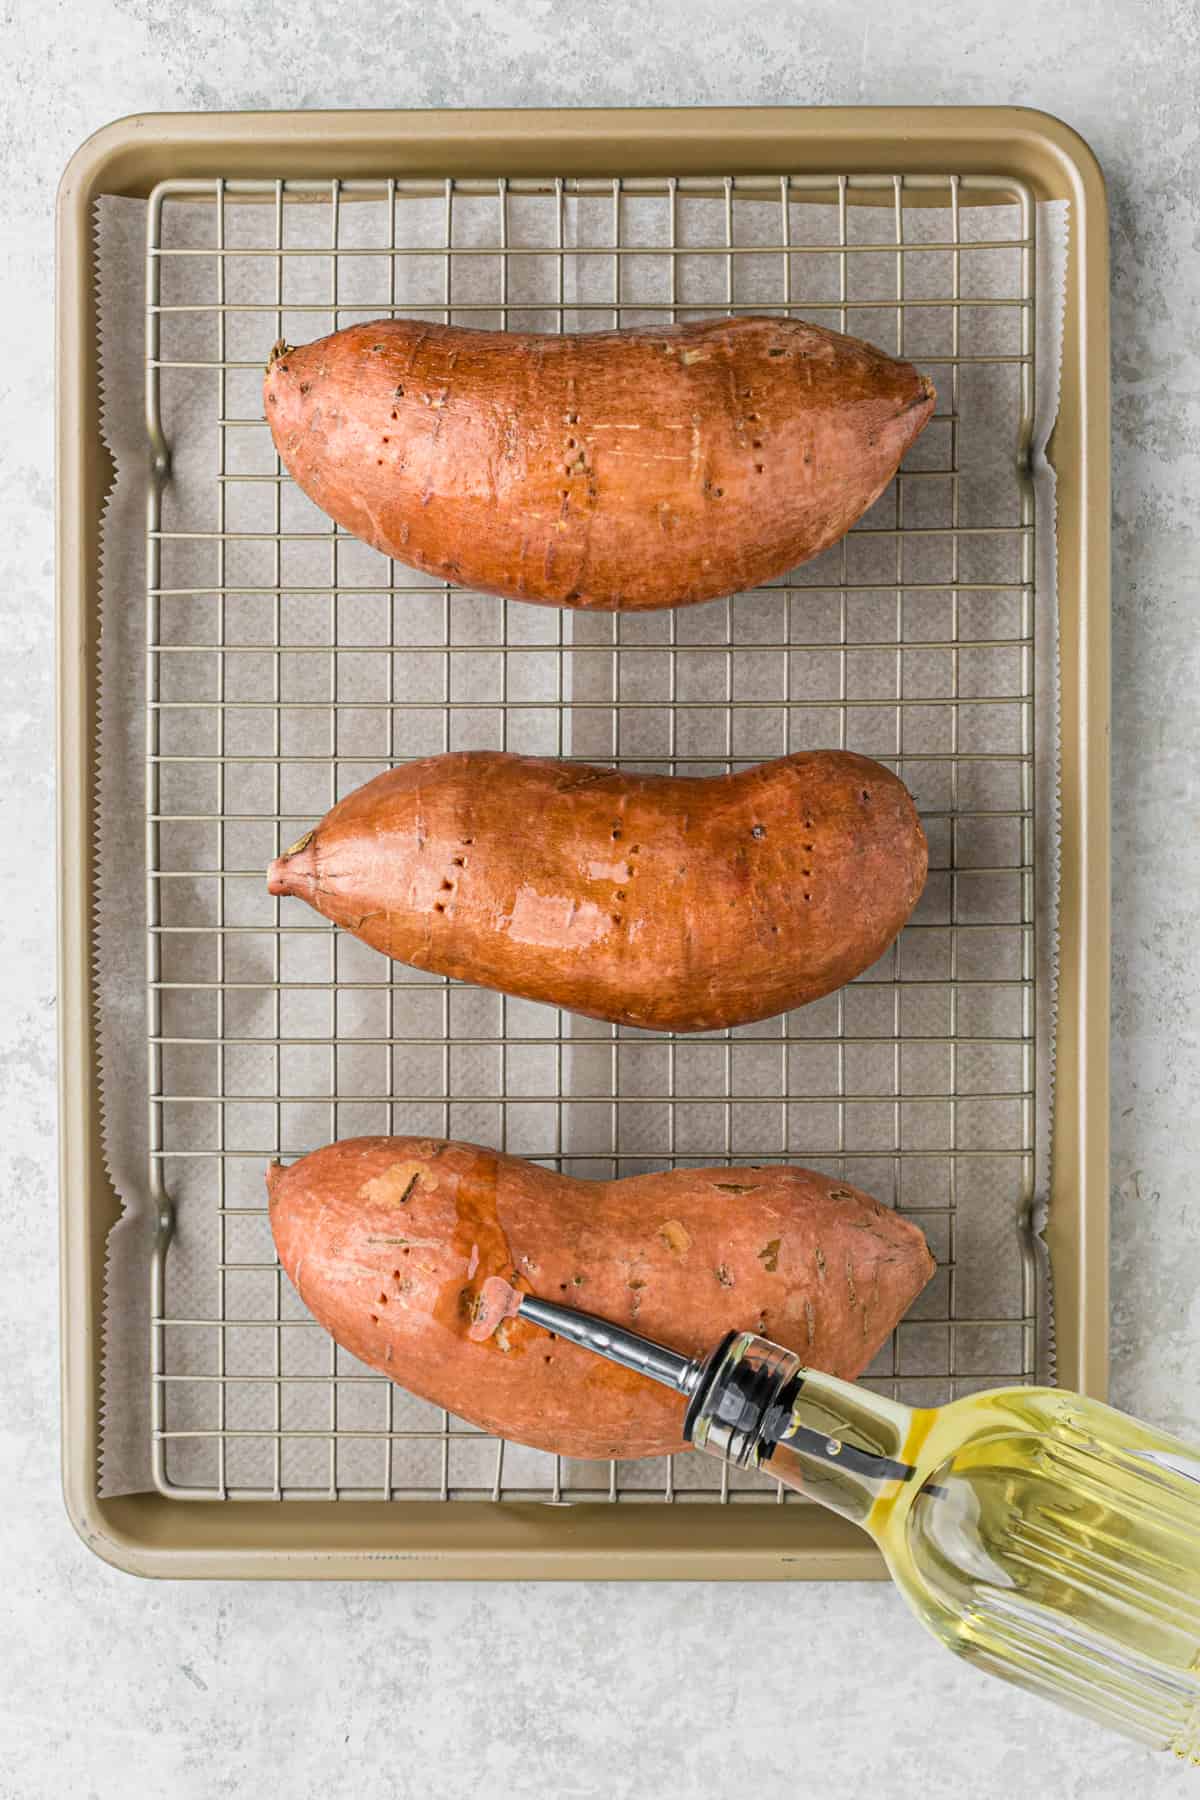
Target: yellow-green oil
1056,1542
1046,1538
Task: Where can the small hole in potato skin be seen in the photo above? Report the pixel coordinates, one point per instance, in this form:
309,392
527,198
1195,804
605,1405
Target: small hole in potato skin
395,414
808,897
395,1274
383,1299
547,1359
439,906
865,794
374,1318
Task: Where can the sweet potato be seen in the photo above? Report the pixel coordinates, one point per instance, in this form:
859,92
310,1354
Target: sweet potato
619,470
389,1241
666,902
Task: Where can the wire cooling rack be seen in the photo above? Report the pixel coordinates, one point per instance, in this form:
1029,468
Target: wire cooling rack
287,664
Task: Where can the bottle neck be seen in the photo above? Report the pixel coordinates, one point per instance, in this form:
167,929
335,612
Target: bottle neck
757,1406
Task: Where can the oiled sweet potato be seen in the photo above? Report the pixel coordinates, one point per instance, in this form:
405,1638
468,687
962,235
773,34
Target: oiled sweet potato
673,903
389,1241
620,469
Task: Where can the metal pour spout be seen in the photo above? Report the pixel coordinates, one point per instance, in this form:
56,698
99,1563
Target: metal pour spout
615,1343
744,1397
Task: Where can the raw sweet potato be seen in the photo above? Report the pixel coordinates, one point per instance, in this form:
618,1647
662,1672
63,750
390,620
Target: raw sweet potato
672,903
619,470
389,1241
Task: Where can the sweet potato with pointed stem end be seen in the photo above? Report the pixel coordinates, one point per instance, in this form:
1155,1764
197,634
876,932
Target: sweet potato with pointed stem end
668,902
619,469
390,1241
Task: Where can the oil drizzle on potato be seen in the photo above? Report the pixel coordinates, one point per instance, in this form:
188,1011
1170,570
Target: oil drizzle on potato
478,1249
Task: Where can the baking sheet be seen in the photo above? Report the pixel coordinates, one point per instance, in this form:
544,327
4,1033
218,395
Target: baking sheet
786,1082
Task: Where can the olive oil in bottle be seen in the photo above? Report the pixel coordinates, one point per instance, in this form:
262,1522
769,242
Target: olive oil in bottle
1046,1538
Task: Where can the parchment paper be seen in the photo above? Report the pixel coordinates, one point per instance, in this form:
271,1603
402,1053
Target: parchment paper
787,1101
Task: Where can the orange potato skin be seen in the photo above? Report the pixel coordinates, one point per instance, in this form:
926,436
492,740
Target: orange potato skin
665,902
388,1242
616,470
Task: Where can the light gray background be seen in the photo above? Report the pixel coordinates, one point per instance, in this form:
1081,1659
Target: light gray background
193,1690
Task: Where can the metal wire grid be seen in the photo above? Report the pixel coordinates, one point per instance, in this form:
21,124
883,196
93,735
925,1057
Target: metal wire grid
676,691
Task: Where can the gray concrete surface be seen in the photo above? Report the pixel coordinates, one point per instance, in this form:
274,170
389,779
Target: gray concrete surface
111,1686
